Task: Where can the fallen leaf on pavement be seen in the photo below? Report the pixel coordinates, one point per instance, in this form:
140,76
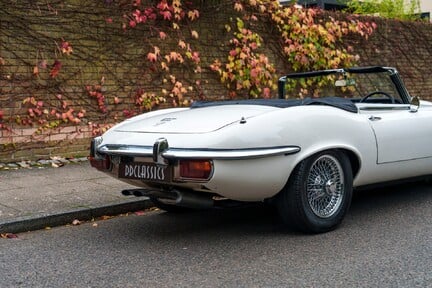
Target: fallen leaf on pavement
76,222
139,213
57,165
8,236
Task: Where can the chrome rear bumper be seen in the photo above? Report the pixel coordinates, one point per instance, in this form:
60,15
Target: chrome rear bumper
193,153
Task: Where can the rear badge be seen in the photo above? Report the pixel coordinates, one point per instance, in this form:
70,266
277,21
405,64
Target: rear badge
165,120
144,171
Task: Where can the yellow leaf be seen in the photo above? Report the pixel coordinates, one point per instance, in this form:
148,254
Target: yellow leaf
182,44
238,7
193,14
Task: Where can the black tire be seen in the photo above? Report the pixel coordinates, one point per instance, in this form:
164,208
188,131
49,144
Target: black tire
318,193
168,207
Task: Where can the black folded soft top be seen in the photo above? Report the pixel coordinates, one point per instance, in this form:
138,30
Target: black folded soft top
337,102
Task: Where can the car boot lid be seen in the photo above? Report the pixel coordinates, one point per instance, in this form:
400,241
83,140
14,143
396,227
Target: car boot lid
199,120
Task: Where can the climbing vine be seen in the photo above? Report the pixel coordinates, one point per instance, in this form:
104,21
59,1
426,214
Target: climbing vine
49,115
172,70
245,68
166,20
307,39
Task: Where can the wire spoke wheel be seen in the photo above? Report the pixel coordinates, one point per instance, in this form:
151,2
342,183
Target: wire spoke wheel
318,193
324,186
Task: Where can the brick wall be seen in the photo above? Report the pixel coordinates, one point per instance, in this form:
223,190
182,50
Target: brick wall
31,33
404,45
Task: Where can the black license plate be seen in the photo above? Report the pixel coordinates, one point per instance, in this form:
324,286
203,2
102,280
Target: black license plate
144,171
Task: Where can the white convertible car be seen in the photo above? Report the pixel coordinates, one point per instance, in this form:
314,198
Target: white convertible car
341,129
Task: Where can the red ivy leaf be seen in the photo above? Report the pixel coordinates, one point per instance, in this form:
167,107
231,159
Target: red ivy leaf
163,5
267,92
151,57
66,48
55,68
162,35
166,15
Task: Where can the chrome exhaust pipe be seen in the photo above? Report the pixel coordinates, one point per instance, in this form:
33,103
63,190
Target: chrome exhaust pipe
175,197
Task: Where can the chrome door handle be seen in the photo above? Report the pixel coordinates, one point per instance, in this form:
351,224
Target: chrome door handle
374,118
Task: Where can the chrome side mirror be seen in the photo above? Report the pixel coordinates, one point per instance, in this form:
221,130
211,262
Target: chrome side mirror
415,104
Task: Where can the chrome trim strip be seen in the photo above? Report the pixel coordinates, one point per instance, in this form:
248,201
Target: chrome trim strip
184,153
229,153
368,107
126,150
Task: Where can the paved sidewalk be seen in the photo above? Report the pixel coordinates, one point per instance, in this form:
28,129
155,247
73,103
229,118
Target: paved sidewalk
36,198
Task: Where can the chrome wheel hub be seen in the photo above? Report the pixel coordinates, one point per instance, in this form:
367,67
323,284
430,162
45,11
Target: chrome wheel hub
325,186
331,188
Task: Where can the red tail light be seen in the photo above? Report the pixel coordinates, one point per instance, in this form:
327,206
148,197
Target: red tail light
196,169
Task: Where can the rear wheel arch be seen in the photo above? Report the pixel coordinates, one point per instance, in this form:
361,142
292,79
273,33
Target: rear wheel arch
353,157
354,160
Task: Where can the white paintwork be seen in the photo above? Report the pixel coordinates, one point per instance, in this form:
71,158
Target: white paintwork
184,121
397,146
402,135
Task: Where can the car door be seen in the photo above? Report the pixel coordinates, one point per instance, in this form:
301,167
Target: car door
401,135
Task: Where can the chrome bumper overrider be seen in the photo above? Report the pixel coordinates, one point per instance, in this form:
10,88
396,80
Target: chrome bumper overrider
193,153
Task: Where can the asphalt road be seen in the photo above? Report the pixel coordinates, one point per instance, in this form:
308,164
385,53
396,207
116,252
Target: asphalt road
385,241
